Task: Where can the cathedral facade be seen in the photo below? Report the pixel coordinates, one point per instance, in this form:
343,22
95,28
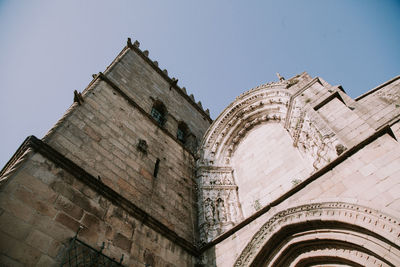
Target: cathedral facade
136,173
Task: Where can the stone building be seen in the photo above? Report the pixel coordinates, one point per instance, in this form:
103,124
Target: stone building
292,173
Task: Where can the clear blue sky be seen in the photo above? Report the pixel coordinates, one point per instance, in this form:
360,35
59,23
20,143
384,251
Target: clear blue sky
217,49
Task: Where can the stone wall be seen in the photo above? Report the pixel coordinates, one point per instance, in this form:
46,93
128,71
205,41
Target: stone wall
266,165
368,178
353,152
103,133
110,135
42,207
102,136
139,79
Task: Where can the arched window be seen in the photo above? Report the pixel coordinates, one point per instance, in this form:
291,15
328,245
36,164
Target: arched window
182,132
159,112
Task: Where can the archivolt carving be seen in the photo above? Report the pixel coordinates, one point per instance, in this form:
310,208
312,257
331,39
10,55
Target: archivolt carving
385,226
259,105
333,254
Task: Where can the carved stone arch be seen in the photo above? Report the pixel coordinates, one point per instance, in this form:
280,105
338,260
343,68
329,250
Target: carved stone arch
215,175
337,232
260,105
279,127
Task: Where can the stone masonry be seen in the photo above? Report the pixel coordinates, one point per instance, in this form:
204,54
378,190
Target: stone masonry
292,173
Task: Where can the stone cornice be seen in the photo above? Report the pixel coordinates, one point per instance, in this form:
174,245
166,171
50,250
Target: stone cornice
62,162
377,88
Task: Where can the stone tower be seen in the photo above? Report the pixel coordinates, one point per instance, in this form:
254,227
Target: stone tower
119,164
292,173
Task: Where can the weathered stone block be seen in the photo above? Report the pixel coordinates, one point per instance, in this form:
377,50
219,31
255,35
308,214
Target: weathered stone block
67,221
69,208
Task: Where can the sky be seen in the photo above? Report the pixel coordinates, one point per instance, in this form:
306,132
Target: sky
217,49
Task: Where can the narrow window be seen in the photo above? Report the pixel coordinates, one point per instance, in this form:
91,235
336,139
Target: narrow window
158,112
156,166
182,132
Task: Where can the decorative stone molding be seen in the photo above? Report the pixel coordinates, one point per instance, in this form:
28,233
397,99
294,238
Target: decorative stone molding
259,105
331,253
219,207
362,220
311,135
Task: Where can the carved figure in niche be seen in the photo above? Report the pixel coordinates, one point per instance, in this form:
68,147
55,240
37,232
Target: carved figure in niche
221,210
232,211
209,211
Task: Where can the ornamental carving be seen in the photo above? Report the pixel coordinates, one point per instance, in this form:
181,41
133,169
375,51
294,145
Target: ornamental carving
251,109
314,254
372,220
219,205
312,136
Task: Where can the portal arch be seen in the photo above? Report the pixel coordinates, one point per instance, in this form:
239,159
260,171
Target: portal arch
339,232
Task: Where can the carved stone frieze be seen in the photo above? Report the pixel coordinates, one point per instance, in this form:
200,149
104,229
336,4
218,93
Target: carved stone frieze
312,136
219,206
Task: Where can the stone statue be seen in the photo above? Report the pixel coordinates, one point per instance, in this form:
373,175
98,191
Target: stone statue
208,211
280,77
232,211
221,211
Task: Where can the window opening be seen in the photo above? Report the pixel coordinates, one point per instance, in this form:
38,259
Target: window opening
156,166
182,132
158,112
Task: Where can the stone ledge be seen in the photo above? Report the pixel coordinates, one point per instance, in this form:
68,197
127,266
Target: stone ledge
376,88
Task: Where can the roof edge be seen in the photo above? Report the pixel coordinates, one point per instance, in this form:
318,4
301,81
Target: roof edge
377,88
172,81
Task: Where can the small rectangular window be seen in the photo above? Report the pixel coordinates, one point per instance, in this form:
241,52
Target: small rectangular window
156,166
180,135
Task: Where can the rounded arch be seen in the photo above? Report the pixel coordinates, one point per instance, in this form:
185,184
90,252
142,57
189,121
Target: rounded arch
262,104
322,233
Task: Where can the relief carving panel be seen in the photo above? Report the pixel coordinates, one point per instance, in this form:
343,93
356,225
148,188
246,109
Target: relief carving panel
219,206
